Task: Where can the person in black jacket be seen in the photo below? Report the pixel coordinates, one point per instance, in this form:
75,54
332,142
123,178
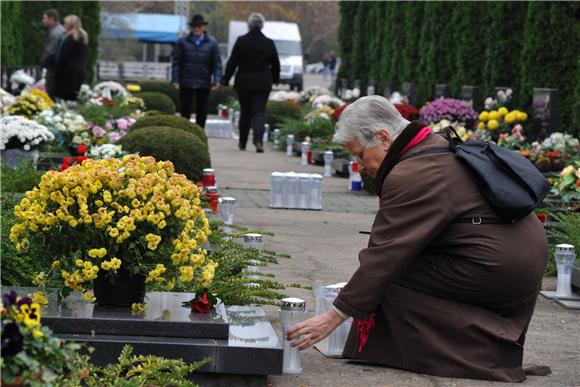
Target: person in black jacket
256,59
196,58
69,72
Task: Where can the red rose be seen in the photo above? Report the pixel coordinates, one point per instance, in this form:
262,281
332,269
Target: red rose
82,149
80,159
408,112
63,167
67,160
553,155
201,305
543,218
338,111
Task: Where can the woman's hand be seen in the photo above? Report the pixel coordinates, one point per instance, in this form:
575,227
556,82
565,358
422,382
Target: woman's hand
307,333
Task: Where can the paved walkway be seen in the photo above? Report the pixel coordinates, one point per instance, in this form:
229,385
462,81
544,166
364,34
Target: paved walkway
324,246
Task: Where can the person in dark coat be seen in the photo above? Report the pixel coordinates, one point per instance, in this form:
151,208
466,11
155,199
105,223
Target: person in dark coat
71,59
256,59
196,58
432,295
55,30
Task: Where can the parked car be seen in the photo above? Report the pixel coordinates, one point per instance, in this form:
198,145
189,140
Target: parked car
315,68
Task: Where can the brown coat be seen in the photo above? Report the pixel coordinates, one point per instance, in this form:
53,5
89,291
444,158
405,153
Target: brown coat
450,299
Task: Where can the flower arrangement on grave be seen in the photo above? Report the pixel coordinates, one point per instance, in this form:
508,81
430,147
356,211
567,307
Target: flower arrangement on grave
116,89
500,121
133,217
350,95
30,355
68,126
515,140
409,112
550,155
112,131
282,95
326,100
28,105
6,99
503,99
106,151
448,109
323,112
567,185
463,133
310,94
21,133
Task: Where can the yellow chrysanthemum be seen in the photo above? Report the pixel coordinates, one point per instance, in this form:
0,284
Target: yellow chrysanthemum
492,125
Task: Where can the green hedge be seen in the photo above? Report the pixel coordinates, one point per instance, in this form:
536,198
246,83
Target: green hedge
11,32
157,102
188,152
34,34
162,87
518,44
171,121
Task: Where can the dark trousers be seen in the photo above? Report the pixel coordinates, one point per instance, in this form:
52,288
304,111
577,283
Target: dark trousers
252,115
201,104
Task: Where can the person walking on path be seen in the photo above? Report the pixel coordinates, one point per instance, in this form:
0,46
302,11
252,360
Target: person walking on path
432,295
256,59
332,65
196,58
55,30
70,59
325,67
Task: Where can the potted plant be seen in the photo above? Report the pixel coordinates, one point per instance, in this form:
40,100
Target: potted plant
20,138
115,225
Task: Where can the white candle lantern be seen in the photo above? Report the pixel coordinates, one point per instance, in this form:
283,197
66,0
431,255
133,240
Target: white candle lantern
328,158
565,255
227,209
292,311
289,144
305,147
276,138
266,134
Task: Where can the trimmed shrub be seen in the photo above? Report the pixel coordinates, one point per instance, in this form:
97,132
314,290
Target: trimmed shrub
278,111
171,121
224,96
11,43
157,101
161,87
187,152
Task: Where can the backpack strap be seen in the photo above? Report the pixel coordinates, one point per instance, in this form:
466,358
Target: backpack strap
475,220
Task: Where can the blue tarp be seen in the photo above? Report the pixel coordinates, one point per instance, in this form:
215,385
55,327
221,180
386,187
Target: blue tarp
144,27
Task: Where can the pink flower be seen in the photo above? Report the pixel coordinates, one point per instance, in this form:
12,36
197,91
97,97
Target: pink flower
109,126
114,137
122,123
98,131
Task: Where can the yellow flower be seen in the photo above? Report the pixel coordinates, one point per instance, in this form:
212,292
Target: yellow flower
152,241
89,297
510,118
483,116
39,298
481,125
113,232
502,111
39,279
161,225
138,308
186,273
55,264
97,253
37,334
522,116
493,115
492,125
132,88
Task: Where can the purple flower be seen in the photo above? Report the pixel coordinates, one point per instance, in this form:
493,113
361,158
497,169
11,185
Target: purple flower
98,131
122,123
114,137
447,109
9,299
11,339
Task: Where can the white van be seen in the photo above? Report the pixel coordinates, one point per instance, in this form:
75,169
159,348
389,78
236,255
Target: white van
286,37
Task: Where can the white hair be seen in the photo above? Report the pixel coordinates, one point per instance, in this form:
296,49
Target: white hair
363,118
256,21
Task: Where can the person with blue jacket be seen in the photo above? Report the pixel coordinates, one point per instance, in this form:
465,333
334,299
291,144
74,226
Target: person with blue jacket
196,58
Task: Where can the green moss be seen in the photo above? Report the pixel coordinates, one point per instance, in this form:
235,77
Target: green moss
187,152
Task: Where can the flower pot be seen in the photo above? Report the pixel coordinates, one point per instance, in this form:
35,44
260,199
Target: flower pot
15,156
126,289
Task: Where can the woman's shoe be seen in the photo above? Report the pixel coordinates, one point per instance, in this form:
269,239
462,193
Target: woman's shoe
259,148
242,147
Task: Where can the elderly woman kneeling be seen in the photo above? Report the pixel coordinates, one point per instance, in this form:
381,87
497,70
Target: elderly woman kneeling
431,295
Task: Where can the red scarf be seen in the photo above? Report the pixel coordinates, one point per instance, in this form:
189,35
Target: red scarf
423,133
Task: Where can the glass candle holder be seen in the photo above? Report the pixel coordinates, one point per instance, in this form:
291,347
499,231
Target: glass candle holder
305,147
227,209
276,138
266,134
208,177
564,256
328,158
289,144
292,311
254,240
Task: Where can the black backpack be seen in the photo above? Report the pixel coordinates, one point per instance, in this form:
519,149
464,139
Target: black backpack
511,184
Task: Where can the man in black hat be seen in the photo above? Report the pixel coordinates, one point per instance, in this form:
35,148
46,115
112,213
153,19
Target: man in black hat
196,58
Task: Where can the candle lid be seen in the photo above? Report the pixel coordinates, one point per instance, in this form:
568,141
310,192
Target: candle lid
252,237
565,248
228,199
208,170
329,152
293,303
290,136
211,189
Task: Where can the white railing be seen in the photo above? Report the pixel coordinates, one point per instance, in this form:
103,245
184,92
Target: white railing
133,71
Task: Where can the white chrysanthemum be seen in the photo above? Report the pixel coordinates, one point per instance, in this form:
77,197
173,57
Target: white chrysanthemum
29,133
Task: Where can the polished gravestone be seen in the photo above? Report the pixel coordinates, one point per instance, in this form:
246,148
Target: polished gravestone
238,339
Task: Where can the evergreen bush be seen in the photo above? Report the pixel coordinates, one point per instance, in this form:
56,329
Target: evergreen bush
187,152
278,111
11,32
161,87
157,102
171,121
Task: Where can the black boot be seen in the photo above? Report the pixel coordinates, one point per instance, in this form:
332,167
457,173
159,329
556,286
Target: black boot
241,147
259,147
